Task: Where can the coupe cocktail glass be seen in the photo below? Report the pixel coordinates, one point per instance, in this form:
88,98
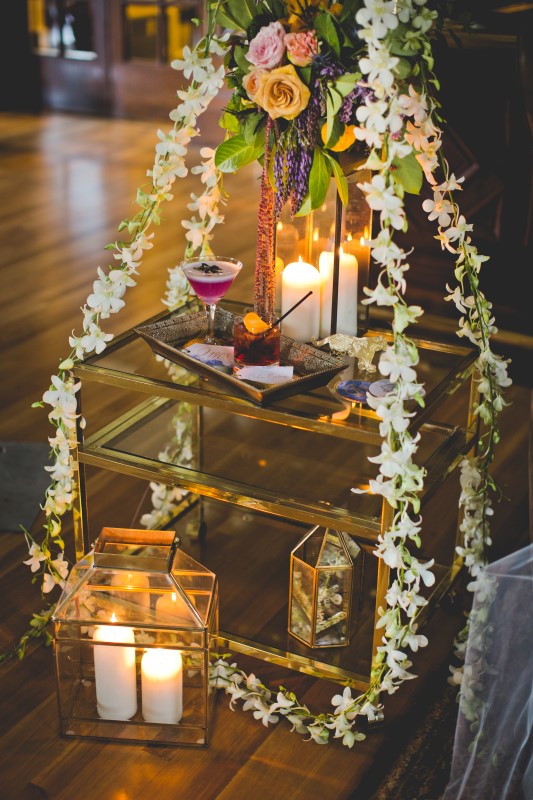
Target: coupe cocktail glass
211,278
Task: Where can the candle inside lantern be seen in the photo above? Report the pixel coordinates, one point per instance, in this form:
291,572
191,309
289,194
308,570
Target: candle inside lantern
174,608
114,672
346,295
132,583
162,686
298,278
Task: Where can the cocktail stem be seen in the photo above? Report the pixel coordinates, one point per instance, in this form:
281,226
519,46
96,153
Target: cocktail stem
210,309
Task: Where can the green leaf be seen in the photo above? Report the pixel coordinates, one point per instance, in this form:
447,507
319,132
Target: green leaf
346,83
37,404
319,179
336,132
340,179
326,28
250,127
229,122
226,21
403,68
242,62
333,104
236,152
305,74
408,173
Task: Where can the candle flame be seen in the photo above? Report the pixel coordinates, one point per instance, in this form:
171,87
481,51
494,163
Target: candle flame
349,237
315,235
114,617
173,597
279,226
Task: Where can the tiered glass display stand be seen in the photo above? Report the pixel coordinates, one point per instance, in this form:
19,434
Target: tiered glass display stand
262,476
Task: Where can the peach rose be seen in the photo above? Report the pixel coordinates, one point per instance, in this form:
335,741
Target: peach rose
301,47
250,81
281,93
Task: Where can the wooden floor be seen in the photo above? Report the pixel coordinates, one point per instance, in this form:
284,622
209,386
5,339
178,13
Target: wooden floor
65,183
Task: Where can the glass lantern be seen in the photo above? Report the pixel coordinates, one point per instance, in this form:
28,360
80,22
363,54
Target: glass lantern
321,588
336,240
133,631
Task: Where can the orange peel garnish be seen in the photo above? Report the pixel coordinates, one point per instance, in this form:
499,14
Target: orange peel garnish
254,324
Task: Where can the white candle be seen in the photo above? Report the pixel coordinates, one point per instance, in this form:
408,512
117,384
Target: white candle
114,672
297,279
162,686
131,583
346,296
173,609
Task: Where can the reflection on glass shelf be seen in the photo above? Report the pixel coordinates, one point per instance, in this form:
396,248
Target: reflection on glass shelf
257,459
250,554
441,369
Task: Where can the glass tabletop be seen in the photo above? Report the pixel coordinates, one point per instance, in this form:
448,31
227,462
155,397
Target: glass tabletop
130,362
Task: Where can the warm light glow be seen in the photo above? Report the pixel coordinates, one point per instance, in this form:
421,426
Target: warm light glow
349,237
114,617
315,235
279,226
173,597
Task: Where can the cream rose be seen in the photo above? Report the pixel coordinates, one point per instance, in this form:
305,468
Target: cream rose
281,93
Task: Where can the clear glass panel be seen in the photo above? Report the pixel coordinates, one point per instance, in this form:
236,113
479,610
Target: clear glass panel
333,606
302,601
140,31
132,693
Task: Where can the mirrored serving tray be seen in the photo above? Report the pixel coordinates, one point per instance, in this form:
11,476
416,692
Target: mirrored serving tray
312,367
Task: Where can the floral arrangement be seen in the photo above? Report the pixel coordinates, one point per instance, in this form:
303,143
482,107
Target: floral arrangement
311,81
302,105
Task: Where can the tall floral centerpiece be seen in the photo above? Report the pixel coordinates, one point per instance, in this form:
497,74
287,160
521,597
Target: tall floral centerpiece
298,103
312,81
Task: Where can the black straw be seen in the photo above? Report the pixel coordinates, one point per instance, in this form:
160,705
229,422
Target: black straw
286,314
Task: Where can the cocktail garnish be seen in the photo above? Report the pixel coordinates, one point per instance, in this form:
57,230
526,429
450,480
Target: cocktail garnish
208,269
254,324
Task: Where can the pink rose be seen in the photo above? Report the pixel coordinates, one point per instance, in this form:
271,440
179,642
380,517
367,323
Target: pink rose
301,47
250,81
267,48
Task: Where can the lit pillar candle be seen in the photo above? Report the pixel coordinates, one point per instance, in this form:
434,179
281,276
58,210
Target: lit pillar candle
114,672
173,609
132,583
297,279
162,686
346,297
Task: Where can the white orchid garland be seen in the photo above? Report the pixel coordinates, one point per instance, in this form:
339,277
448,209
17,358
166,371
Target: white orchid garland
399,480
47,555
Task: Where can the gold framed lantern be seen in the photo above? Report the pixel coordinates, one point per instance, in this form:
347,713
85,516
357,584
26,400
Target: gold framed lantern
335,239
133,631
321,588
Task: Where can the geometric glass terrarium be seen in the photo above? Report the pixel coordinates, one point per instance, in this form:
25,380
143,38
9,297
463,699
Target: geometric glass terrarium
321,588
133,631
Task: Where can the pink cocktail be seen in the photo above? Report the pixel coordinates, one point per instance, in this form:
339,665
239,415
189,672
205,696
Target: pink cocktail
211,278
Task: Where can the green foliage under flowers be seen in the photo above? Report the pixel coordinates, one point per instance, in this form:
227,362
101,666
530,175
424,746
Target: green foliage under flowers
332,77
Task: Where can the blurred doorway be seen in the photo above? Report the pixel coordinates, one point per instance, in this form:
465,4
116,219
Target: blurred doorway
111,56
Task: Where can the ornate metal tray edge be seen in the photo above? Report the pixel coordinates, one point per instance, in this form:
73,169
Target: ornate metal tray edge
313,367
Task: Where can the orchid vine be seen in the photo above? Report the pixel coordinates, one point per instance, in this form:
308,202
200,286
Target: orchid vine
395,122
